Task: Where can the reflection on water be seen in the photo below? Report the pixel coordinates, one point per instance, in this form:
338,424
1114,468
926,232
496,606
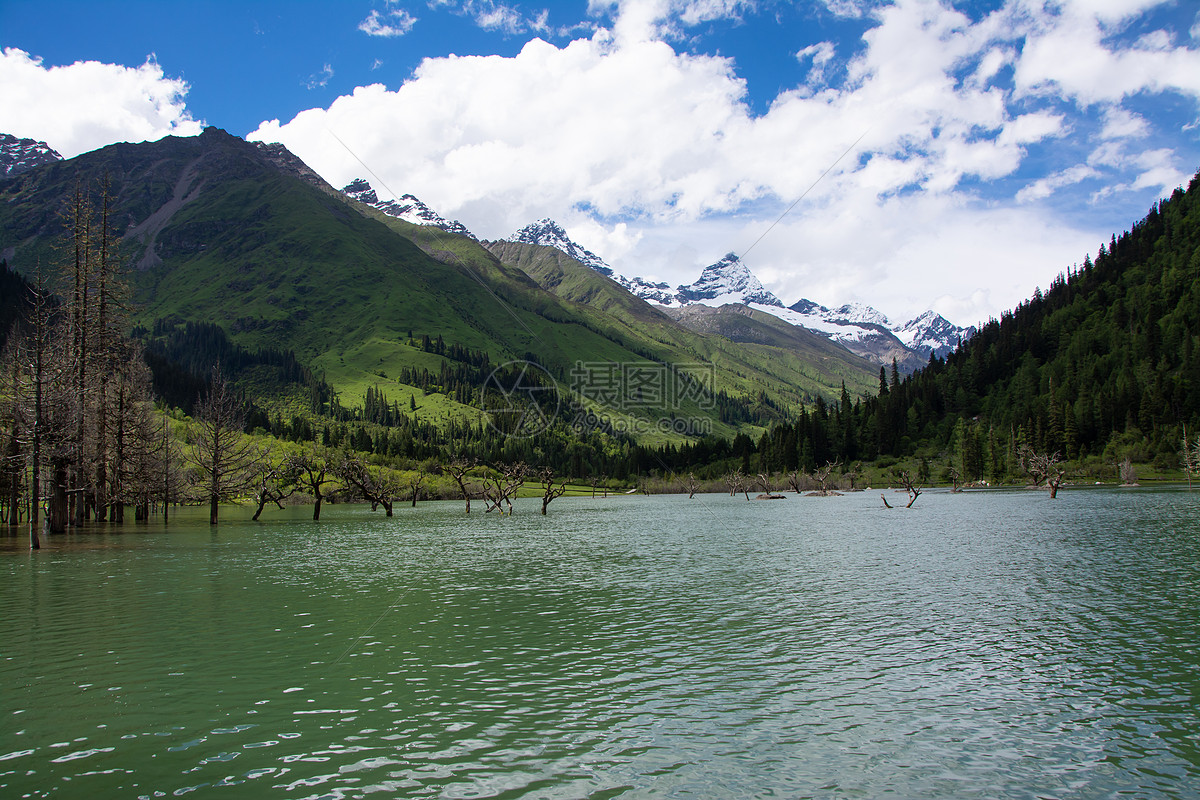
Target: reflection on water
979,645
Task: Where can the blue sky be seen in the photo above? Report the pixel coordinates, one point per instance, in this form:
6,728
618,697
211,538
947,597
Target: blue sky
974,150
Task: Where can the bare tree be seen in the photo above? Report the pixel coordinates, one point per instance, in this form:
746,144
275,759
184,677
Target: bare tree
459,468
910,485
549,490
955,480
691,485
825,473
1128,473
377,485
853,474
38,359
222,456
12,460
1189,455
737,483
415,480
312,474
1042,468
795,479
274,482
500,487
148,471
36,392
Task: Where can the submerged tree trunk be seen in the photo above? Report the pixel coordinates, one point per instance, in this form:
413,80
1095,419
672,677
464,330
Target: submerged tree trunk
57,516
35,500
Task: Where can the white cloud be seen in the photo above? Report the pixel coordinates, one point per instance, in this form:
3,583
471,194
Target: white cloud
500,18
1044,187
388,24
86,105
645,20
1098,70
618,242
1155,169
321,79
656,143
506,19
1122,124
820,54
606,131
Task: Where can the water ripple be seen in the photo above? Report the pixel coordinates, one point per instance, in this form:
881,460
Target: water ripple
979,646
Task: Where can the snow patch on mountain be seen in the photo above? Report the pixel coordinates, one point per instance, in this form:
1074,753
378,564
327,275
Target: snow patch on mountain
929,333
549,233
727,281
658,293
22,155
932,334
839,330
407,208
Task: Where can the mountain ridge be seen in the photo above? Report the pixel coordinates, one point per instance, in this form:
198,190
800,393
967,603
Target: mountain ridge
859,328
21,155
406,207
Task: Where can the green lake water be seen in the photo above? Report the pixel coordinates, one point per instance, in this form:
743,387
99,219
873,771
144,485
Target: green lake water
983,645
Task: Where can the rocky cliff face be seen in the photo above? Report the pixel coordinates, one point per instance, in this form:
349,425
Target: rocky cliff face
406,207
22,155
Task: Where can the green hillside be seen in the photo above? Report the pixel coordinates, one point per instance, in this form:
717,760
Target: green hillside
803,360
218,230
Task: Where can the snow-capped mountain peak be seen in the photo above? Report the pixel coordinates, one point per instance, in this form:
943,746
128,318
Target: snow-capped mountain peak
407,208
860,314
21,155
727,281
858,327
549,233
931,333
855,324
848,314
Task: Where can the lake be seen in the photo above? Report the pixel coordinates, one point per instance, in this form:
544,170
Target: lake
983,645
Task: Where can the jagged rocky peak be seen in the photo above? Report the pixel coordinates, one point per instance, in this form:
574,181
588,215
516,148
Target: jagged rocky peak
803,306
847,314
860,314
21,155
361,191
407,207
931,333
284,160
659,293
549,233
728,281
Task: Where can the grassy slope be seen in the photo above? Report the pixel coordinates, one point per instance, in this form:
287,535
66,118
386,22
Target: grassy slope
782,356
278,262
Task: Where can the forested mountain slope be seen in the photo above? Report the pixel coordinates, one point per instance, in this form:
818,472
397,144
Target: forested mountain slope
1105,364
